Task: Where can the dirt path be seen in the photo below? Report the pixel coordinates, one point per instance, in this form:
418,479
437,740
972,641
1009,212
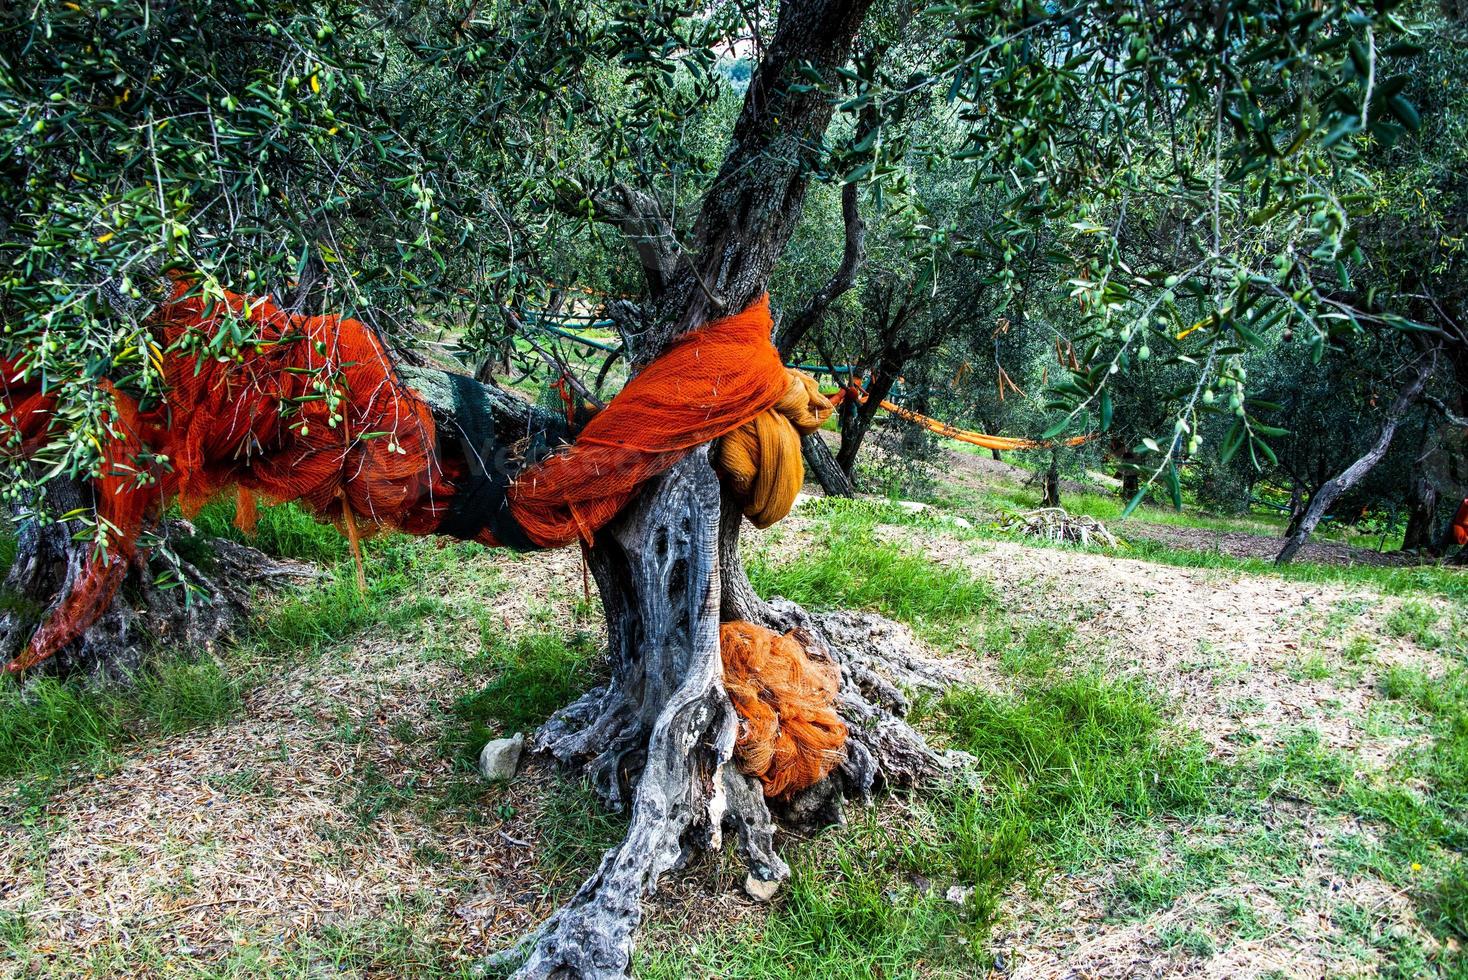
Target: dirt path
1241,544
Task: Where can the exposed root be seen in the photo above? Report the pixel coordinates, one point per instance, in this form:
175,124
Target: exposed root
658,738
161,602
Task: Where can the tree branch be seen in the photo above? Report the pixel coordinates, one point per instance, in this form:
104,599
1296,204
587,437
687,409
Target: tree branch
1443,409
638,215
853,254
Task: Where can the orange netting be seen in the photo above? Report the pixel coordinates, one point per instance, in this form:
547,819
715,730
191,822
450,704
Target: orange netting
761,459
310,409
784,690
1001,443
1460,523
709,383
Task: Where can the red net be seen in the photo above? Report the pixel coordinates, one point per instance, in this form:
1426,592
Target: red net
309,409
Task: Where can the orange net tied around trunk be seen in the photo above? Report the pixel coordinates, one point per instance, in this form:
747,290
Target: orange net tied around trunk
723,377
310,409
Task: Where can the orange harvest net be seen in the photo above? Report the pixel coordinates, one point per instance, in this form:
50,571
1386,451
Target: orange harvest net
310,409
709,383
1000,443
785,693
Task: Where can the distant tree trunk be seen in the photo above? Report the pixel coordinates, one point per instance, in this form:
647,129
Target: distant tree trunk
1421,500
1131,480
1050,486
856,422
1421,513
1299,503
827,471
1351,475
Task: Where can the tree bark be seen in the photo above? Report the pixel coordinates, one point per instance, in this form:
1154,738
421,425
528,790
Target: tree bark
1421,501
856,421
658,738
1351,475
1421,513
1050,486
828,472
207,598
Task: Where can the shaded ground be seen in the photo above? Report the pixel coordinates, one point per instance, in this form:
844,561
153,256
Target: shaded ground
1242,544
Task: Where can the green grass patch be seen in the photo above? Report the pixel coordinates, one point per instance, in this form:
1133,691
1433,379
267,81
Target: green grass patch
533,674
1416,621
850,912
178,695
51,726
850,568
1065,756
285,530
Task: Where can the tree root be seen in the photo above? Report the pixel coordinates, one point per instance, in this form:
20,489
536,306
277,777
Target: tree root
658,738
161,602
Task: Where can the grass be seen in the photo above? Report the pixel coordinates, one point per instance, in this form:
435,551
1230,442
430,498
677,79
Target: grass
1418,622
847,914
50,727
1392,580
1065,759
1081,771
850,569
532,675
1418,807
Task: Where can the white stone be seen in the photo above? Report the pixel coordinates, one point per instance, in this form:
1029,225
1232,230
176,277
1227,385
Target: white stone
760,891
499,759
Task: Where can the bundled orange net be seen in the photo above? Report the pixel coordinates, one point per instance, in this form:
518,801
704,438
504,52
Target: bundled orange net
854,392
784,690
1460,523
761,459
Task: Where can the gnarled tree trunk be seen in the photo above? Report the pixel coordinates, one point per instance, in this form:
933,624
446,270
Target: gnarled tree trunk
159,602
658,738
1326,497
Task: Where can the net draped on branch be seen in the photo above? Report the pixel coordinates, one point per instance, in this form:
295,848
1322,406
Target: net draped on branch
312,409
854,392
